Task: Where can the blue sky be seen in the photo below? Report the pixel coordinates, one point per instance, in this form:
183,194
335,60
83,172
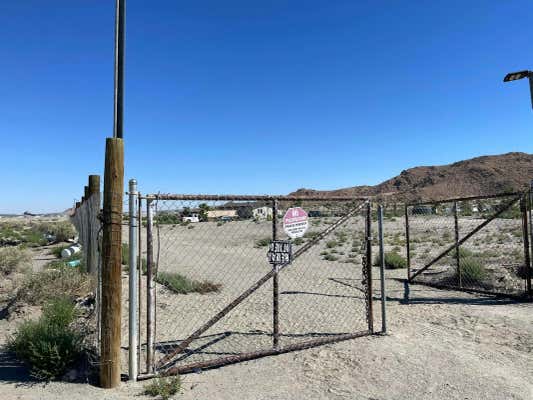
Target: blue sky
256,97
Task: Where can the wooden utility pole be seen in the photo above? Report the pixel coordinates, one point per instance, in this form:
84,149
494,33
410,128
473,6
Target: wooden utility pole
111,264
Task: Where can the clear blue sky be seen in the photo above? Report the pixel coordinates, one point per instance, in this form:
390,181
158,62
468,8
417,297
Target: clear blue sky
257,97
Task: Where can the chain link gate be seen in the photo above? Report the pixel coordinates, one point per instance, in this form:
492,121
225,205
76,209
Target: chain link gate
477,244
210,297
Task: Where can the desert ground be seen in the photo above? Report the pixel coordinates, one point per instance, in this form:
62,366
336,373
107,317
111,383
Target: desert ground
440,343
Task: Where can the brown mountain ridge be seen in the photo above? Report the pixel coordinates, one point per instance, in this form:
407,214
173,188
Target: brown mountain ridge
485,175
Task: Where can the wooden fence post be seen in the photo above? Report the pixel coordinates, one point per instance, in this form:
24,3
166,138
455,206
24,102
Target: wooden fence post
92,240
111,264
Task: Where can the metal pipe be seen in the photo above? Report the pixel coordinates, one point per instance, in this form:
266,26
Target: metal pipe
527,260
120,22
407,241
139,275
234,197
382,271
275,282
150,289
368,266
528,272
133,293
489,196
457,258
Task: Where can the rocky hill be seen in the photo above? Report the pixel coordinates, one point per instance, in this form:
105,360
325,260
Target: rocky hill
477,176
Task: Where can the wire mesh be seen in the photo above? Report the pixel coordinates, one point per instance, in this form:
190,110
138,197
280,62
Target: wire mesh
210,252
490,255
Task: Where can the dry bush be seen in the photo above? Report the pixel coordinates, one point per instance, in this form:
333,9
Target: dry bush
37,288
14,259
62,230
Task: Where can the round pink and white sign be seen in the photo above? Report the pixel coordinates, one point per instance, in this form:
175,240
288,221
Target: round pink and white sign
295,222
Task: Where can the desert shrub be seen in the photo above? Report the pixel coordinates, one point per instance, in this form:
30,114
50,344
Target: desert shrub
330,257
49,345
311,234
183,285
332,243
393,260
62,230
144,266
323,253
14,259
163,387
71,282
125,253
167,218
465,253
263,242
472,270
298,241
220,223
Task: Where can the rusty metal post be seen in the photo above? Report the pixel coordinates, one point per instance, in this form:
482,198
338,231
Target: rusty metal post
150,289
457,256
370,293
407,242
275,282
112,264
527,256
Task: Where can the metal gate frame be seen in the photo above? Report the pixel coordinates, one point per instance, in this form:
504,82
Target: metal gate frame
525,207
164,366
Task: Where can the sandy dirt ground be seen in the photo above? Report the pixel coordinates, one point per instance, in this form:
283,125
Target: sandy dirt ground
440,345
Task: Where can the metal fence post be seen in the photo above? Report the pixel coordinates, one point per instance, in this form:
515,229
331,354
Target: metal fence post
525,235
407,242
529,271
150,288
369,267
133,293
457,257
275,282
382,271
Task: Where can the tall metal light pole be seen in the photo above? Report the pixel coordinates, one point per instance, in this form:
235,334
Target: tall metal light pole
514,76
120,22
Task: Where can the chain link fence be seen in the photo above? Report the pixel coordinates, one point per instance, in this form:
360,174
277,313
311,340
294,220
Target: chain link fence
479,244
217,299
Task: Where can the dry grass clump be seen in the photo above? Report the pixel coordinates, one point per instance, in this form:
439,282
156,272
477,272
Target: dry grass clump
14,259
183,285
62,230
70,282
163,387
